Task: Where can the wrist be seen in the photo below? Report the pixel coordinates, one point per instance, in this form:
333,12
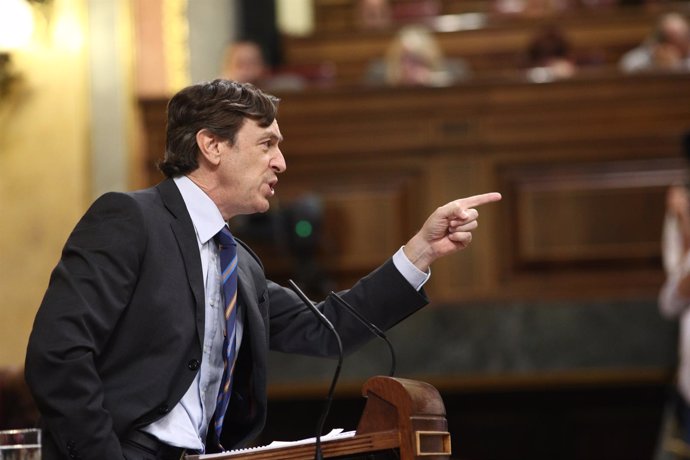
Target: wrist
419,253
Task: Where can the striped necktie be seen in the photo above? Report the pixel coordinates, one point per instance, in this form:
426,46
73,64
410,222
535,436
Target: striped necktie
228,267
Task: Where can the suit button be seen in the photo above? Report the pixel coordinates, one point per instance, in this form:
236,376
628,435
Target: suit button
193,364
163,409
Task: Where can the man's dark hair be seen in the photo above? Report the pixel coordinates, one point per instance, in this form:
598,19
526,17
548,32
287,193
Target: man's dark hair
220,106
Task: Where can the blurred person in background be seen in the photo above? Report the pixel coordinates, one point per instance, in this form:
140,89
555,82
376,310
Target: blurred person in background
550,56
674,298
373,14
244,62
667,48
414,58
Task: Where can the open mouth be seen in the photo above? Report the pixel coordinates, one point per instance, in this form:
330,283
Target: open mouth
272,185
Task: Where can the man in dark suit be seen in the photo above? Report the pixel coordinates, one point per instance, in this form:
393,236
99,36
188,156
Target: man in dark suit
126,356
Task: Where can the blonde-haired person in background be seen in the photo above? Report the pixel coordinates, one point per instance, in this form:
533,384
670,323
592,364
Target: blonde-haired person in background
414,58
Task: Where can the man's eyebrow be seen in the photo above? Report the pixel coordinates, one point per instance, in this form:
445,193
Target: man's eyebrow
273,136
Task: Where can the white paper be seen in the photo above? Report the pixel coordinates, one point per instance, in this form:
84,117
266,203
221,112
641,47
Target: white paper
336,433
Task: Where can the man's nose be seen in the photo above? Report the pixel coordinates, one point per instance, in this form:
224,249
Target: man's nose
278,162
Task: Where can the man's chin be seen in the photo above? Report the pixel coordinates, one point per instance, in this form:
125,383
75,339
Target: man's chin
263,207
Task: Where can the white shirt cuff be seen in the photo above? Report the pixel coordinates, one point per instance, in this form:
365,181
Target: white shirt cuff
412,274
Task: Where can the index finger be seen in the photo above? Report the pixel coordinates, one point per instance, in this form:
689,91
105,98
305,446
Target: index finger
478,200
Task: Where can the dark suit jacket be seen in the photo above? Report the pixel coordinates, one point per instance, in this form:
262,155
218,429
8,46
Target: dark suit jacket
117,339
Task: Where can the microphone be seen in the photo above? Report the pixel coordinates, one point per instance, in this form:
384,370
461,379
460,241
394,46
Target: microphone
371,326
329,398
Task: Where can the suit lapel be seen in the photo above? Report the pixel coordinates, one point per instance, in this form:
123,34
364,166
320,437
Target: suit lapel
255,327
255,345
183,229
248,297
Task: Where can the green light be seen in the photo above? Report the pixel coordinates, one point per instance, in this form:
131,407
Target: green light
303,229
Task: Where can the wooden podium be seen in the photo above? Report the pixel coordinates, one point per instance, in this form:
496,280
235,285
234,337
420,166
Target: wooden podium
402,419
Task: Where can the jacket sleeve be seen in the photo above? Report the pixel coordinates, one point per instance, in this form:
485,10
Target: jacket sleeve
88,291
384,297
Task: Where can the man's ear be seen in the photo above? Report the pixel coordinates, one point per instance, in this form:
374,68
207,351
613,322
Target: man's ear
209,146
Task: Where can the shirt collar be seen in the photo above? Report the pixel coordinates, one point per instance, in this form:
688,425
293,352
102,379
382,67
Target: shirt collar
205,215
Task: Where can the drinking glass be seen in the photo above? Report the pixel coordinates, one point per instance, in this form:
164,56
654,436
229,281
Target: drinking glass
22,444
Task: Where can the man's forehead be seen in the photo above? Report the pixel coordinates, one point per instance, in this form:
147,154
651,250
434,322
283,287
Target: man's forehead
272,130
276,129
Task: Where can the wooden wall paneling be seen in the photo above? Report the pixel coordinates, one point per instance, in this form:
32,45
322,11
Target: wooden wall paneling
603,118
366,121
621,208
356,137
593,226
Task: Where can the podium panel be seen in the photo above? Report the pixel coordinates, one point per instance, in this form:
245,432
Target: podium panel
402,419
